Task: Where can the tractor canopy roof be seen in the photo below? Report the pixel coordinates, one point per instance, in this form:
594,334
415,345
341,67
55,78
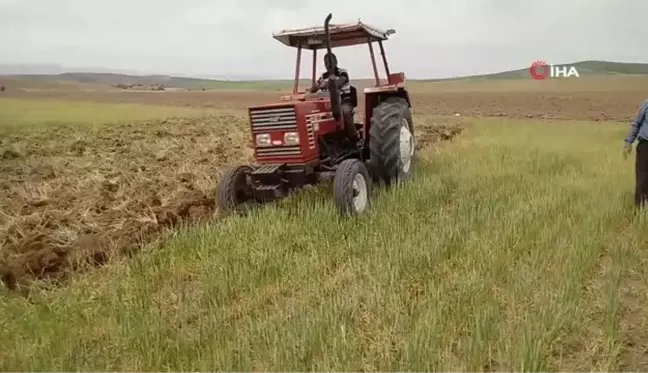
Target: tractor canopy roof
341,35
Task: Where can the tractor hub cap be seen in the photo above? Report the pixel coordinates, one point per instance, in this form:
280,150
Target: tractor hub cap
360,197
406,146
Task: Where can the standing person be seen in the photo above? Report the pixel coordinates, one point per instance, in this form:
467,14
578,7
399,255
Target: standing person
345,92
639,131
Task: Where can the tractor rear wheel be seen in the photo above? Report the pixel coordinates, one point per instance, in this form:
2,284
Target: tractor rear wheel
352,187
233,190
392,145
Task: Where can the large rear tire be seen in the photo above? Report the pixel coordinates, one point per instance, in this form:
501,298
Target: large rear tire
391,145
352,188
233,190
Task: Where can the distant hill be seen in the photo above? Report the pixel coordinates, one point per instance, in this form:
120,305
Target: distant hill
116,80
144,80
44,69
24,75
18,76
584,68
147,82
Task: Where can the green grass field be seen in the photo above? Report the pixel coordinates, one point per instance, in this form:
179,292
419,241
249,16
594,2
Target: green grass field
514,248
261,85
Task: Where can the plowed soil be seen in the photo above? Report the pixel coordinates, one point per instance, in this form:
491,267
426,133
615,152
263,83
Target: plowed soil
73,198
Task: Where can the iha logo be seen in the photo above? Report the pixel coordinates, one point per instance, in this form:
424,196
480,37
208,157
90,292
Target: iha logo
539,70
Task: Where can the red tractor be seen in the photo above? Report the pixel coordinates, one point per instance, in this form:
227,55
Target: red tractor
303,140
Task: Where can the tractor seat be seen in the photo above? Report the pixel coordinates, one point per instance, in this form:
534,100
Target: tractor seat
354,97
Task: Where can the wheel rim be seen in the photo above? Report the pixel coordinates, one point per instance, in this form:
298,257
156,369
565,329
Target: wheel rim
360,197
406,146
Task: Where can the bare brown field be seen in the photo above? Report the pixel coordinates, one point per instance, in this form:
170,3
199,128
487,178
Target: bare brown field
597,99
73,196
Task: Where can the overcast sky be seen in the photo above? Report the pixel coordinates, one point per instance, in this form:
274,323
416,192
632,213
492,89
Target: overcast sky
434,38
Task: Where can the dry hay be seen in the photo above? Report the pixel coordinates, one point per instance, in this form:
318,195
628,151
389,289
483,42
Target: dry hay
73,198
427,133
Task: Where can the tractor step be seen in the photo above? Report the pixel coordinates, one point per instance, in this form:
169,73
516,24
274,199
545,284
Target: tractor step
268,191
267,187
270,169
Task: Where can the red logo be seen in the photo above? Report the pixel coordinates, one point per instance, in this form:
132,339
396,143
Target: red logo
539,70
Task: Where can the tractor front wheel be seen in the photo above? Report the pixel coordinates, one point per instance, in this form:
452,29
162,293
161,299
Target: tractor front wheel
352,187
392,147
233,190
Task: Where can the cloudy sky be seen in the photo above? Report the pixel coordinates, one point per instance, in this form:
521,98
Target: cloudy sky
434,38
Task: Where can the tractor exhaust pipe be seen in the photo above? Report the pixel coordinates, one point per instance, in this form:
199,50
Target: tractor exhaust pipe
332,81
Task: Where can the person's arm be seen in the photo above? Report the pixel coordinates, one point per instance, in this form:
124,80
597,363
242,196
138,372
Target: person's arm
343,78
636,124
317,85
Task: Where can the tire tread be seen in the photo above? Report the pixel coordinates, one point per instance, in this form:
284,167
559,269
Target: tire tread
343,185
384,140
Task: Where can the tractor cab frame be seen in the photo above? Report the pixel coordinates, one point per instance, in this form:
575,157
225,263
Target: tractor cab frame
342,35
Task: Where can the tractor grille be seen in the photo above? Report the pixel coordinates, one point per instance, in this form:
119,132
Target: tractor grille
264,120
279,151
311,133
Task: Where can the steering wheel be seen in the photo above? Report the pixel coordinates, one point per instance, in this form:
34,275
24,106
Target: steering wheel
318,94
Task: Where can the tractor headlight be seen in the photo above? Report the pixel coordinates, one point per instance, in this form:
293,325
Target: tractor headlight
291,138
263,139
